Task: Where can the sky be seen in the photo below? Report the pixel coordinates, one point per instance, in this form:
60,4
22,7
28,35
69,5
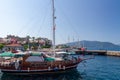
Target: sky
94,20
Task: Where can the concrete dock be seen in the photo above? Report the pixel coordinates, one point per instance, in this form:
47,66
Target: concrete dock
113,53
99,52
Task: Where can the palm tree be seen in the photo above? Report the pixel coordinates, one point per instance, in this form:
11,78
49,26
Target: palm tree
27,41
33,38
27,38
33,43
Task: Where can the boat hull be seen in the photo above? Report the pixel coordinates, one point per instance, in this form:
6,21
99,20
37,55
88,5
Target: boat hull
39,72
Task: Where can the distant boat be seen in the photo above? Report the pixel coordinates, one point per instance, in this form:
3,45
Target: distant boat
40,63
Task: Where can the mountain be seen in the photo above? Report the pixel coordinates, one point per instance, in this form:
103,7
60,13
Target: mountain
95,45
118,44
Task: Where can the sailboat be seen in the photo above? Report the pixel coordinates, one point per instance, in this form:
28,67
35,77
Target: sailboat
39,63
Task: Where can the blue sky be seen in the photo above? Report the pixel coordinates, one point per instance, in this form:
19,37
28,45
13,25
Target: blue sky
77,19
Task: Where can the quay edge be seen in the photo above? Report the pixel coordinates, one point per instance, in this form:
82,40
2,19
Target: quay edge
99,52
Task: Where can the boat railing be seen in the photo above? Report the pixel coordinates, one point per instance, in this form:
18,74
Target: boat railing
5,63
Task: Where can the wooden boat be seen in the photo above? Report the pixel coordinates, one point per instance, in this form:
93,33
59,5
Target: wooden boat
39,63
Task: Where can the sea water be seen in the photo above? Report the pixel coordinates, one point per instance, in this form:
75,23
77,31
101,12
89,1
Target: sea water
99,68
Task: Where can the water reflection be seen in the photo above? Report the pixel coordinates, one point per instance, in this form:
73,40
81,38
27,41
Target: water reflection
71,75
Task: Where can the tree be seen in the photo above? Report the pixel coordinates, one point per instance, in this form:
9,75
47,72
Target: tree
27,38
1,46
25,46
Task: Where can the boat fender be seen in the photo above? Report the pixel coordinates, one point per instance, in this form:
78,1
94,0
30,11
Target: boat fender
16,65
28,69
59,66
63,67
79,59
74,61
49,68
56,68
2,64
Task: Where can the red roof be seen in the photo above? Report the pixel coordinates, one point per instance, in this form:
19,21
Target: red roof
14,45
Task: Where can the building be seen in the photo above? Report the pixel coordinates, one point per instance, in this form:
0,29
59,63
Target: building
11,47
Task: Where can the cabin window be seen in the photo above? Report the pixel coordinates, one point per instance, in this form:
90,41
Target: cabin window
38,64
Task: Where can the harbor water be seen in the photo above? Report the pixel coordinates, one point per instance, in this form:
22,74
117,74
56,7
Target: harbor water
99,68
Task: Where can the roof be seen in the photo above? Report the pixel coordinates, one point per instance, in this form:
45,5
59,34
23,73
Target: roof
2,41
35,59
13,45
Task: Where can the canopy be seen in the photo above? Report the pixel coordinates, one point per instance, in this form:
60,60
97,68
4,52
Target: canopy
72,52
61,52
7,54
35,54
49,59
20,54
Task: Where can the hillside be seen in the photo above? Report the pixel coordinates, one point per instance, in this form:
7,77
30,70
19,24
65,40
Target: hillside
96,45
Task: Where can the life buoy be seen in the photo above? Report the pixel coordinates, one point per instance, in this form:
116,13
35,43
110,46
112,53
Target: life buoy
56,68
28,69
16,65
63,67
59,66
49,68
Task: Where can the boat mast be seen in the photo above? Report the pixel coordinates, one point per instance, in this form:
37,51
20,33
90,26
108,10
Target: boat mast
53,16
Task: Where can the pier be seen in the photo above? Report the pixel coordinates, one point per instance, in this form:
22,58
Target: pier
113,53
99,52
